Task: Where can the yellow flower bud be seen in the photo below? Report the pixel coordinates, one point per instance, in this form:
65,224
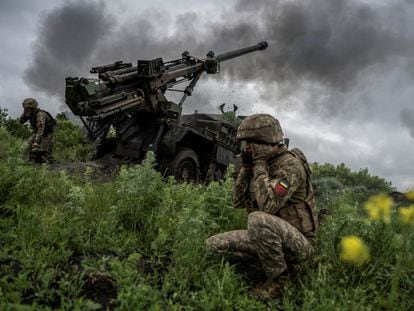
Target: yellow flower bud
354,250
379,207
406,215
410,195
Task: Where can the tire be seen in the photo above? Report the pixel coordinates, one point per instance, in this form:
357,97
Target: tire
219,173
216,172
185,166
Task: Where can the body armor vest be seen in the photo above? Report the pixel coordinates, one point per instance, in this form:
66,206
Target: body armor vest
50,122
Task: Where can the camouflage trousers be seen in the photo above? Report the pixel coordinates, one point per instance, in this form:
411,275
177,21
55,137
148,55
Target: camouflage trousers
46,145
270,238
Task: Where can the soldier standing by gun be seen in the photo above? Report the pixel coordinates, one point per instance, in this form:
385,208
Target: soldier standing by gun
40,143
274,186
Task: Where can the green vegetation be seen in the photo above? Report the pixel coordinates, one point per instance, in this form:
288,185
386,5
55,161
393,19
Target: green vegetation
13,126
137,242
70,143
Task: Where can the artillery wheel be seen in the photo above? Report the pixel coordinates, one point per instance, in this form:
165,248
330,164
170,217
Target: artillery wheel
216,172
219,173
185,166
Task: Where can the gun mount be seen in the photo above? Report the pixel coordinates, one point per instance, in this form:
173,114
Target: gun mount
132,100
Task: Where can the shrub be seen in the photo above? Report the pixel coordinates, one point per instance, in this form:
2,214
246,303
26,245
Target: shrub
70,143
330,180
13,126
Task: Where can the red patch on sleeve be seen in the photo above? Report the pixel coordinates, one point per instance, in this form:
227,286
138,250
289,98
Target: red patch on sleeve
281,188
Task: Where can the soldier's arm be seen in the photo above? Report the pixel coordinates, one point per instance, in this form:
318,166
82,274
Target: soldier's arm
40,123
273,191
241,195
23,118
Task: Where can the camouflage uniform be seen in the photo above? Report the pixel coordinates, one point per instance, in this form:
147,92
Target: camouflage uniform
278,195
42,124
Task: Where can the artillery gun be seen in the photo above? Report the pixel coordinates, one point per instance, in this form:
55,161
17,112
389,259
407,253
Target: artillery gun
132,101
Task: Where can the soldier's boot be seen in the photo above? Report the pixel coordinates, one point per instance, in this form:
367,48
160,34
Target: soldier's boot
44,159
272,289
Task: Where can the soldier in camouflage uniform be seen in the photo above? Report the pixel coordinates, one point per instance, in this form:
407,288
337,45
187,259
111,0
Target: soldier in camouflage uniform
40,143
274,187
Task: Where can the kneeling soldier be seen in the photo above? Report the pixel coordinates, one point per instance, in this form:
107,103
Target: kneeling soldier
274,186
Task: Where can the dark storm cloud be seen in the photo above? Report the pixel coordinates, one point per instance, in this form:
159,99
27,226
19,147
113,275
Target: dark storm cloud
66,41
328,41
407,120
146,37
326,49
332,40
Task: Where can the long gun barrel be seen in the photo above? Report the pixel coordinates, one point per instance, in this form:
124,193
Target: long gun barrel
229,55
175,69
210,64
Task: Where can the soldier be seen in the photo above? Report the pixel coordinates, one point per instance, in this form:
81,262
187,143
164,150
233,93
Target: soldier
40,143
274,186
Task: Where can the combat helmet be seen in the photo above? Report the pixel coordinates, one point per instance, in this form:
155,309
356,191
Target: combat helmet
260,127
30,103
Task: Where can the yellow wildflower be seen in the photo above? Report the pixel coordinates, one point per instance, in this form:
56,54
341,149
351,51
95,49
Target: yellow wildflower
354,250
410,195
406,215
379,207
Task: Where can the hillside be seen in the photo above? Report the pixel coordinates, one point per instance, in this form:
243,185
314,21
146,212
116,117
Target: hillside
138,241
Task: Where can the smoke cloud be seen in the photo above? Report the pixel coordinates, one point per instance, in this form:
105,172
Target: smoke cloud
67,39
323,49
332,41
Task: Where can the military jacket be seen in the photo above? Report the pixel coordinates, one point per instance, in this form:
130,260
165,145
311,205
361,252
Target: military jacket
281,187
41,122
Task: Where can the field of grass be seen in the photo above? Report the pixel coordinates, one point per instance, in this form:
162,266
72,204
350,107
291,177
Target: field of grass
138,241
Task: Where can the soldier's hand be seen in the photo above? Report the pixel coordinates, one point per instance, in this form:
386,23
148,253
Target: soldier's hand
261,152
246,155
247,160
35,147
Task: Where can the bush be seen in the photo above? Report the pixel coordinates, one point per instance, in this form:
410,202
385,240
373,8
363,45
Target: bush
13,126
330,180
70,143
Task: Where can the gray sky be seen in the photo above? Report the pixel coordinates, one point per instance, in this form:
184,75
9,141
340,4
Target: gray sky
338,73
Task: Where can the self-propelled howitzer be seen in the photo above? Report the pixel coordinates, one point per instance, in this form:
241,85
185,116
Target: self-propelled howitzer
132,100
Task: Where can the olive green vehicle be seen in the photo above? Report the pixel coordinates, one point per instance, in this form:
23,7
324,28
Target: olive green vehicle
131,102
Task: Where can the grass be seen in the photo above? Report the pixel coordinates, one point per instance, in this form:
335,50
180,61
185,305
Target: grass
138,242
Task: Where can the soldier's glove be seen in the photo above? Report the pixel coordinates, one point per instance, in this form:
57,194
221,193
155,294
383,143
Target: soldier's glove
36,147
261,153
